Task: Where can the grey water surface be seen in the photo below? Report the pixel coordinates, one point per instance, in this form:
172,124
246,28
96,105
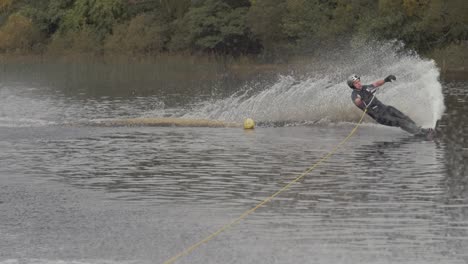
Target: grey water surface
85,194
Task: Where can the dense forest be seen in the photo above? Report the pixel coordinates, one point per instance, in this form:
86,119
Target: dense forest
263,29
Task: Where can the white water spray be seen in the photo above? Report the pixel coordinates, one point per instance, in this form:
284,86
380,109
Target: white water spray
326,97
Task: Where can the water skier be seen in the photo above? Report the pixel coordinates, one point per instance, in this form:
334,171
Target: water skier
363,97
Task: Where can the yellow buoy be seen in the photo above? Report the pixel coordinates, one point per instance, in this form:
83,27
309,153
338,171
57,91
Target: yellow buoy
249,123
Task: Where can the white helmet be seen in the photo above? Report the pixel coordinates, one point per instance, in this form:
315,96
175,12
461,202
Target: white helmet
352,79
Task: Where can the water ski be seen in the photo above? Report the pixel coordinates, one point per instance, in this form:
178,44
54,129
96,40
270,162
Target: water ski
426,133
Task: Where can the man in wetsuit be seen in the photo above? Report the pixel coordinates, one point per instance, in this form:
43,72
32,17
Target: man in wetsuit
363,97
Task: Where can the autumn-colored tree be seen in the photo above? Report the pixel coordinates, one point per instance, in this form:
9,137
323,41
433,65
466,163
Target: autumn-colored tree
5,4
18,34
276,28
143,35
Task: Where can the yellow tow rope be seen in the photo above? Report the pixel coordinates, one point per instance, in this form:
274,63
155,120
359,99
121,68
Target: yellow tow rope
246,213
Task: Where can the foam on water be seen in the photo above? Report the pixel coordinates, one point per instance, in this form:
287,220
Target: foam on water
23,122
19,109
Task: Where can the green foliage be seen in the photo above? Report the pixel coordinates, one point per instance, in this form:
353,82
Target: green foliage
276,28
141,36
214,26
237,3
453,56
79,42
175,8
45,14
303,17
415,7
421,24
265,19
454,21
56,12
97,15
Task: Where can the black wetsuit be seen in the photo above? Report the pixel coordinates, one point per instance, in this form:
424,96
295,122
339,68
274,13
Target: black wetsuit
383,114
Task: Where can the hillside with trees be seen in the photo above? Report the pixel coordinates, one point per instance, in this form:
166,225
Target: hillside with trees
267,30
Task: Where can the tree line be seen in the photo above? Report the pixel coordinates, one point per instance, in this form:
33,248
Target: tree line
266,29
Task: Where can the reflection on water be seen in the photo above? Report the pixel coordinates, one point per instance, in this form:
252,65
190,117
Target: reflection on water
388,199
168,78
454,131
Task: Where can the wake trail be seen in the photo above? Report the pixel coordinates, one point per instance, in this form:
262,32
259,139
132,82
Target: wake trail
323,97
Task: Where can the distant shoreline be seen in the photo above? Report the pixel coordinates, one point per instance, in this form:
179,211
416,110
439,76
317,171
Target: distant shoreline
240,66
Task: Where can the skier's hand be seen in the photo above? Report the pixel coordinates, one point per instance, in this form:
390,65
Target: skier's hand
390,78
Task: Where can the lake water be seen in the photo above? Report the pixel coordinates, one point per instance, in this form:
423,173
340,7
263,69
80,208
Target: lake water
73,192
